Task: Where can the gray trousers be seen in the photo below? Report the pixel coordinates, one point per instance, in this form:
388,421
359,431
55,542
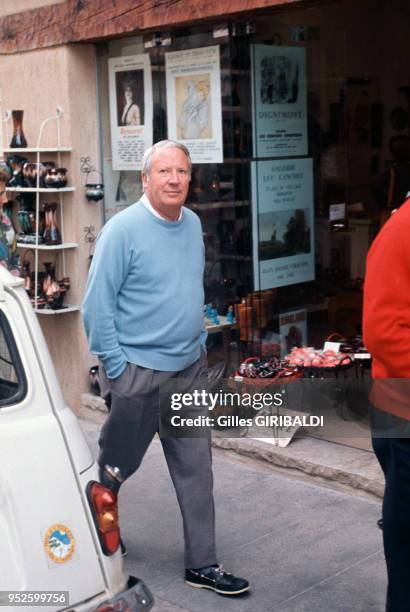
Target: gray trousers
128,431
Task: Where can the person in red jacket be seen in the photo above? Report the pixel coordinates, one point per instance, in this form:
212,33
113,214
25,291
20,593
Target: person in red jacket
386,330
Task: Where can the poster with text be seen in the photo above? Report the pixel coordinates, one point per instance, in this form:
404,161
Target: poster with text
130,88
282,220
292,330
193,82
279,101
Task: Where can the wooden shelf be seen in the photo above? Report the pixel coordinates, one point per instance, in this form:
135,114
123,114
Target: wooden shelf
49,311
40,189
41,150
213,328
47,247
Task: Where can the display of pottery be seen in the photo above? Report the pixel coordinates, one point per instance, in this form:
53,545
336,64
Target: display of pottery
30,233
94,192
24,222
27,277
49,174
51,234
55,178
39,229
5,172
49,164
18,171
16,163
18,139
27,201
33,172
65,282
51,292
36,229
41,303
9,257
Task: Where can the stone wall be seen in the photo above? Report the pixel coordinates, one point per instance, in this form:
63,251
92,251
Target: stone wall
41,80
90,20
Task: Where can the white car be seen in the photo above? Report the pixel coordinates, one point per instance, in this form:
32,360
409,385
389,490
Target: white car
59,544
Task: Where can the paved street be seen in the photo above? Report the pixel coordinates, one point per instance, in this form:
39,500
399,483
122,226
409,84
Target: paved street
304,548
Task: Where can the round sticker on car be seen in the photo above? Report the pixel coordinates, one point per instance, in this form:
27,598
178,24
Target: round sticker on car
59,543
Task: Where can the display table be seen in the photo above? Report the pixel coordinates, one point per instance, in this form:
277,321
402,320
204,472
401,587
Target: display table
224,327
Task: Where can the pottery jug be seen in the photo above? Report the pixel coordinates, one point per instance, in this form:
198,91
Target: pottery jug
94,192
52,234
33,172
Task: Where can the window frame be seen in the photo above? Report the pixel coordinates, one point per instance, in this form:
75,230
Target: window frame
21,392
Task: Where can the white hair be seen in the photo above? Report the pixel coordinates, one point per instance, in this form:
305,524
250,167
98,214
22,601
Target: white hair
163,144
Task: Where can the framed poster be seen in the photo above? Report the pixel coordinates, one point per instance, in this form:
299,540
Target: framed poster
193,82
282,222
131,110
279,101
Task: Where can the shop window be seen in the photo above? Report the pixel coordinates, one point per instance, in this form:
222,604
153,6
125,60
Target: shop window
332,147
13,385
220,190
293,273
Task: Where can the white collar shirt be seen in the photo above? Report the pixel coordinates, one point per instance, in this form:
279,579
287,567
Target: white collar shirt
148,205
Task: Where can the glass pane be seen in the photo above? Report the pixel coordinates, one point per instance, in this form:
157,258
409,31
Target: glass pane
11,384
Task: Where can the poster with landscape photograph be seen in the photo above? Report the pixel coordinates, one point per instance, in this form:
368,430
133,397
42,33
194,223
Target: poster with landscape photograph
282,219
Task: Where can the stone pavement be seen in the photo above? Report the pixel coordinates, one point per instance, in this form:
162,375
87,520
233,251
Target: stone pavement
304,547
350,468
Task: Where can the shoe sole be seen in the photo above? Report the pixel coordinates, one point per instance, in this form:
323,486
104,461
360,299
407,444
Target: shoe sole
211,588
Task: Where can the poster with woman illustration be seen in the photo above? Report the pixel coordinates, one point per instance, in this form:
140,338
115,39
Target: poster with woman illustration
131,110
194,110
193,107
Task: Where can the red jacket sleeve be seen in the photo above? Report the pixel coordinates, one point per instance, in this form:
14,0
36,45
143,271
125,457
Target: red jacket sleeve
386,303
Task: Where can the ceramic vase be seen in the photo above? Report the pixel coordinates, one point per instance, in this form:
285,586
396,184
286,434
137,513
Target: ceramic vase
94,192
52,234
18,140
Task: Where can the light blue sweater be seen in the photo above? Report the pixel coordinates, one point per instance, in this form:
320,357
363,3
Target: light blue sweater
144,297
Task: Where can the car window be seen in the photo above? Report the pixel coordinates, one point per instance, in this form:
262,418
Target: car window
13,384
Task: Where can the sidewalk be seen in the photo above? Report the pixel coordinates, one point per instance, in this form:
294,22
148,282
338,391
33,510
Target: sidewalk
303,546
351,468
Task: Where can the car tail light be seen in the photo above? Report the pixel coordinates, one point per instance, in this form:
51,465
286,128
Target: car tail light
104,505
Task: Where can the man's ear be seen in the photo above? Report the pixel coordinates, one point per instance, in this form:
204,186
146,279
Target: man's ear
145,179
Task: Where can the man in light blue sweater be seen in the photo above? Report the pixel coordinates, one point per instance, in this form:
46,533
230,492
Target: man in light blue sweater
143,316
